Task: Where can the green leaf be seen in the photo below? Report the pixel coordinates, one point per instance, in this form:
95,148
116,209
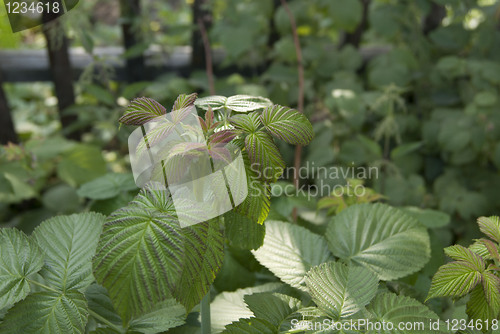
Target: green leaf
142,110
139,258
490,226
20,258
250,326
48,313
204,254
214,102
290,251
69,243
385,240
454,279
258,202
247,103
243,232
82,164
249,123
403,310
238,103
230,306
99,302
264,156
428,217
20,189
491,287
272,307
107,186
341,290
287,124
460,253
184,101
101,94
168,314
61,198
478,306
345,15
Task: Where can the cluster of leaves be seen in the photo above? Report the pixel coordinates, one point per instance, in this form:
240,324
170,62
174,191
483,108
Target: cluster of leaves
344,273
136,270
474,272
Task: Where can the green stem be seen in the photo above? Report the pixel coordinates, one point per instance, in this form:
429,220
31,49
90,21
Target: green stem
205,314
43,286
106,322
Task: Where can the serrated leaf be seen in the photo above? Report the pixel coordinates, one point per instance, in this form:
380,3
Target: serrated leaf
385,240
214,102
460,253
167,314
184,101
454,279
48,313
257,204
247,103
341,290
491,287
264,156
107,186
230,306
238,103
248,123
287,124
142,110
139,258
272,307
99,302
20,258
203,257
403,310
250,326
490,226
290,251
69,243
478,307
242,232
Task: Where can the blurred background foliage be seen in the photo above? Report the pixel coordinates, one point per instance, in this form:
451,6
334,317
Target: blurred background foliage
408,86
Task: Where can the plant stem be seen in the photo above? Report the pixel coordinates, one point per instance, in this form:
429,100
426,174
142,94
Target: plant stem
205,314
43,286
300,102
106,322
208,56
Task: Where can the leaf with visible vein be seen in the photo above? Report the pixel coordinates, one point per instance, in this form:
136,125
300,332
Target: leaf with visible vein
454,279
264,156
139,258
142,110
490,226
69,243
341,290
48,312
184,101
20,257
287,124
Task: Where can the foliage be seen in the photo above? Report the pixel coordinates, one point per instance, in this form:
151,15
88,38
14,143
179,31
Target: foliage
473,272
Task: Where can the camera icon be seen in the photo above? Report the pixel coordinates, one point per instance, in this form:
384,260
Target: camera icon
205,178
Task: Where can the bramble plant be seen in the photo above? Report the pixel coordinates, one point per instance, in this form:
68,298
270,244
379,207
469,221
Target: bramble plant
474,272
137,270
